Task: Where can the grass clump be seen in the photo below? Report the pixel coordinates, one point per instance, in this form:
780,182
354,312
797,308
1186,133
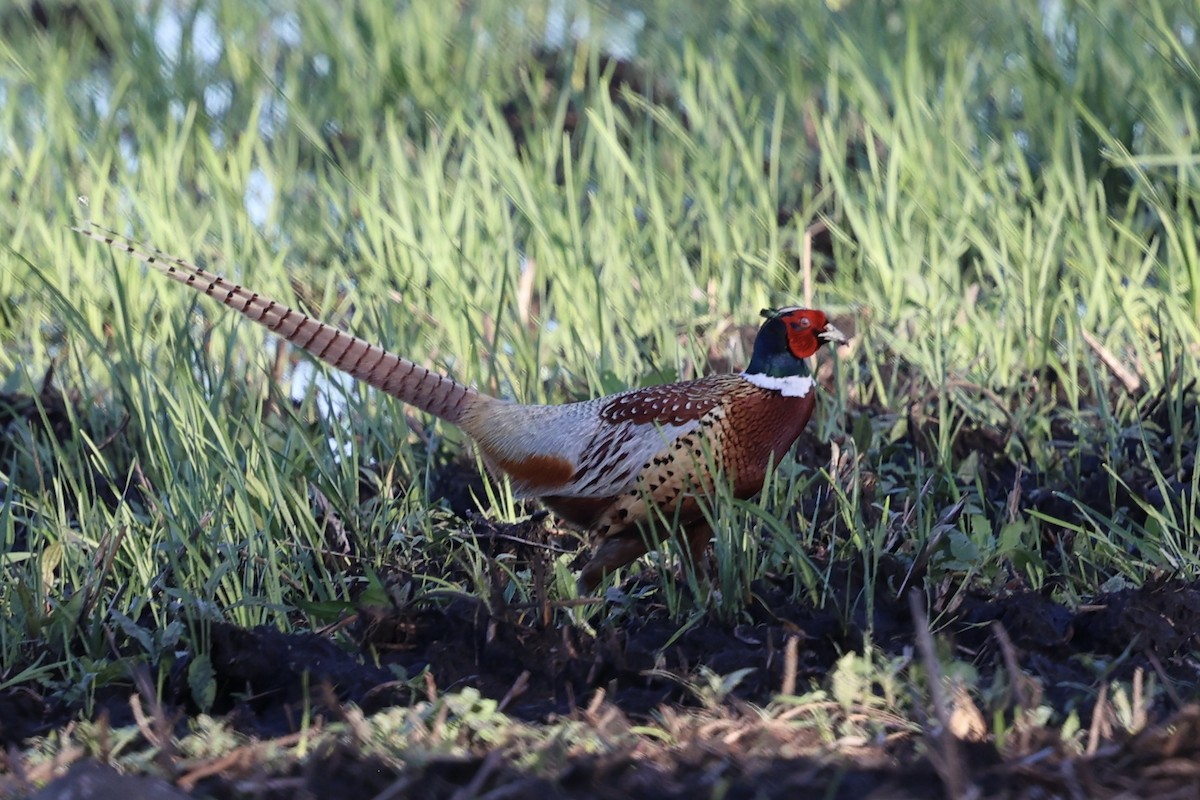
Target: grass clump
555,201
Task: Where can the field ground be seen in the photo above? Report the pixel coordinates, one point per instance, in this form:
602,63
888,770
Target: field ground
227,575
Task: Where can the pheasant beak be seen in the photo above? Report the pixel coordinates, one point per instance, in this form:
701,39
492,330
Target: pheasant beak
832,335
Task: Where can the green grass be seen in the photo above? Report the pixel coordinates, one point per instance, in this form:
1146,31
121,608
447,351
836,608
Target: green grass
998,185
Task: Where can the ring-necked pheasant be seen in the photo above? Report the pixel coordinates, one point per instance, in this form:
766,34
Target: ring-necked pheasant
595,463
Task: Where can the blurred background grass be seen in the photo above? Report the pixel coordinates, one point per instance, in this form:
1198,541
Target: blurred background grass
558,199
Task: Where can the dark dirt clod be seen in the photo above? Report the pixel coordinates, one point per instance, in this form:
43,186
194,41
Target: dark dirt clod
89,779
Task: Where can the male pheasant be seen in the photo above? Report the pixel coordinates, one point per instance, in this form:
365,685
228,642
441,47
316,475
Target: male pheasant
599,464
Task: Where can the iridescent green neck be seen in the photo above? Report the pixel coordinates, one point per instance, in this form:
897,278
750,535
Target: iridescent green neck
771,356
777,365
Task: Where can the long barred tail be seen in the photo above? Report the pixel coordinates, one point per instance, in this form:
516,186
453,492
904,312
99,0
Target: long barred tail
412,383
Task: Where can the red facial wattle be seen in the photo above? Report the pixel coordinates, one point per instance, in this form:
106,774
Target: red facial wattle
803,325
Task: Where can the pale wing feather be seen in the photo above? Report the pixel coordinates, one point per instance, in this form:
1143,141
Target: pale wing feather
606,457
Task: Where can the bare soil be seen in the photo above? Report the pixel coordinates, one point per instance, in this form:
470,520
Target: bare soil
547,672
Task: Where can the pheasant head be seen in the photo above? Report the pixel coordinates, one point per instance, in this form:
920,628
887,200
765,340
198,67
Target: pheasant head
784,342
